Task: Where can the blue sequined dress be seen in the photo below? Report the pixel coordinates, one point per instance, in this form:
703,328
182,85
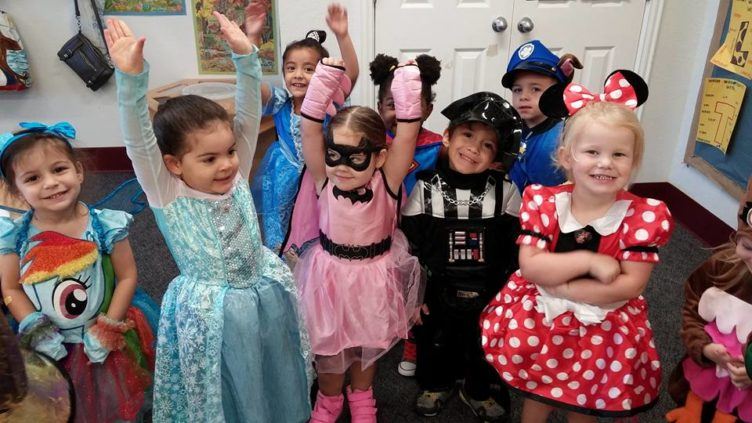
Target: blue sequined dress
276,181
230,345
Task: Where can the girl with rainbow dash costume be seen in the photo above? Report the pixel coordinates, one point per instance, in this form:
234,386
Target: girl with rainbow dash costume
68,277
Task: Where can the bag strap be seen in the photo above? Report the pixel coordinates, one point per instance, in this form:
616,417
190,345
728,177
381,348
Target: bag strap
78,15
99,22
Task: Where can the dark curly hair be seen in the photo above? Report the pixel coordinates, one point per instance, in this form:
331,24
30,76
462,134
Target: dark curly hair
382,72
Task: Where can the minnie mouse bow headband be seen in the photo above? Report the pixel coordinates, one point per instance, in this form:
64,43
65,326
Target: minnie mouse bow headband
622,87
62,130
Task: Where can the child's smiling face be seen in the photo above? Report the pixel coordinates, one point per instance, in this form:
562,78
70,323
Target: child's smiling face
48,179
298,70
346,177
471,147
211,162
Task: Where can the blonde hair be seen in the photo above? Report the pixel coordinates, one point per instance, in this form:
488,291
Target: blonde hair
606,113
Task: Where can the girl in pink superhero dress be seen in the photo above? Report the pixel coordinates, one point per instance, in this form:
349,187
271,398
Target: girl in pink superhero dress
358,285
570,328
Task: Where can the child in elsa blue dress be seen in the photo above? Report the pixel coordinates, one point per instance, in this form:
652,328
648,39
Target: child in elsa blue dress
276,180
230,346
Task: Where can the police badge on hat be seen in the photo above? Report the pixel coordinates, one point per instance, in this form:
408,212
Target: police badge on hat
525,51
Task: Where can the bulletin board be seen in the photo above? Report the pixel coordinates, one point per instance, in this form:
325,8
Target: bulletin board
732,169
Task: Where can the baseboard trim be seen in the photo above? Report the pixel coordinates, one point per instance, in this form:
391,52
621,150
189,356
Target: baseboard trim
705,225
105,159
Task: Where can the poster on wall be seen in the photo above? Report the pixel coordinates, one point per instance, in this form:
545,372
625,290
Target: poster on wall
733,55
144,7
14,65
721,101
213,53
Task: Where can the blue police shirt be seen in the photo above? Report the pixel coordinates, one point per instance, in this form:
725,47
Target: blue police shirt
535,162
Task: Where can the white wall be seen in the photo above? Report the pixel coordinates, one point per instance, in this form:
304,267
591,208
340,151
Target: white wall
58,94
675,82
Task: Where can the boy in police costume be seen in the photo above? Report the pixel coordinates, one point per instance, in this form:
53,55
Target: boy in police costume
531,70
460,220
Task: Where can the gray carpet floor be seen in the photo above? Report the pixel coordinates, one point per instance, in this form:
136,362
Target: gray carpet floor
395,394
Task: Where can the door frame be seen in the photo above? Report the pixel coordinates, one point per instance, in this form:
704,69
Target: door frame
643,62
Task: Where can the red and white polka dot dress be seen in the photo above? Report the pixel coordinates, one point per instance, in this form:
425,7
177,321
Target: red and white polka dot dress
609,368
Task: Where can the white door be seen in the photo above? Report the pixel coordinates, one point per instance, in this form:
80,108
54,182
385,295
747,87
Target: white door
604,34
458,33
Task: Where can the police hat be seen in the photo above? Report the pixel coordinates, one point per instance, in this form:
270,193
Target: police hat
533,56
492,110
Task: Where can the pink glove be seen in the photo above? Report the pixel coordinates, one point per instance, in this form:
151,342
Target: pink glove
406,89
329,85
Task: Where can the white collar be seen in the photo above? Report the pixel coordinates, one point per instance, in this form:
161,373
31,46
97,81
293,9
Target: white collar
605,225
185,191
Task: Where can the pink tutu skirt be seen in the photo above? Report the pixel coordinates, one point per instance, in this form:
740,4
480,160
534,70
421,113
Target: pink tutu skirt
356,310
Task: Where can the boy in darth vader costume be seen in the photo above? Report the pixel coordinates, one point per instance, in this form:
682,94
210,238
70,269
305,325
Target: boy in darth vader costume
461,221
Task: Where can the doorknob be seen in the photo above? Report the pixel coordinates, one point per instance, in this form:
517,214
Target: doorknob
499,24
525,25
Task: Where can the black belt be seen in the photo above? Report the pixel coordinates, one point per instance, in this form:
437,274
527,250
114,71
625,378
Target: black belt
355,252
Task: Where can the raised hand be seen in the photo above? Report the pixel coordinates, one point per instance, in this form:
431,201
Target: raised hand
336,18
233,35
328,85
406,90
255,20
333,61
126,51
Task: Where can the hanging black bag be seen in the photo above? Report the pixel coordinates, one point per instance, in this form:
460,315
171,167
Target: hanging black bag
84,57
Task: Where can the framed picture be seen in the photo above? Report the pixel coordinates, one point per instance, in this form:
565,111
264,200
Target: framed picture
213,53
144,7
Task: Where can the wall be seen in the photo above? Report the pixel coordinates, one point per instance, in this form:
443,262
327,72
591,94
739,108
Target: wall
57,93
675,82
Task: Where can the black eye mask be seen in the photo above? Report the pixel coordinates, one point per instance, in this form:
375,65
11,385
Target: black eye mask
337,154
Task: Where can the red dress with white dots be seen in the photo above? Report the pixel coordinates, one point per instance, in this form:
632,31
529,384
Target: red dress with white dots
589,359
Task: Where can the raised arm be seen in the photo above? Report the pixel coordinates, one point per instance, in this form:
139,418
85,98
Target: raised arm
336,18
132,76
247,97
406,88
327,82
255,24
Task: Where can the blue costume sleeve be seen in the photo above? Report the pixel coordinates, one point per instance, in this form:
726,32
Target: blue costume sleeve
277,99
247,108
114,227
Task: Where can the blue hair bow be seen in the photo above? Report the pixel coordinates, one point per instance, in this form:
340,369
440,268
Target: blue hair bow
61,129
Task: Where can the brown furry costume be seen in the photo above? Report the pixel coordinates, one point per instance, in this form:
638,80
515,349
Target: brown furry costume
717,308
